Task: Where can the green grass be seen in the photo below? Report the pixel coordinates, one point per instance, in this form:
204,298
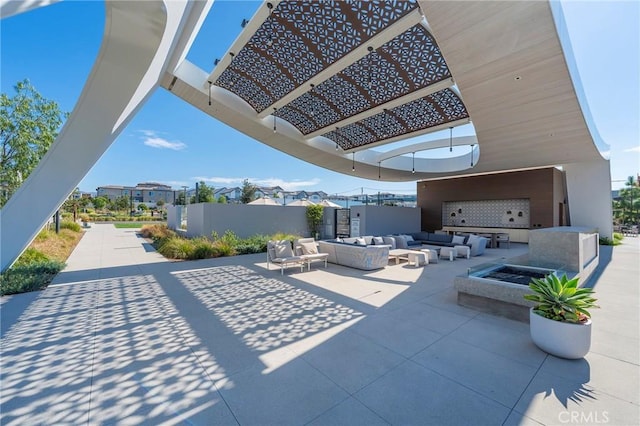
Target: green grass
128,225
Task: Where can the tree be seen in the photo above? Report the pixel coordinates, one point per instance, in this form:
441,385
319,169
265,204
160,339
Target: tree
143,207
314,218
628,204
205,193
160,203
71,205
180,199
29,124
222,199
122,202
248,192
99,202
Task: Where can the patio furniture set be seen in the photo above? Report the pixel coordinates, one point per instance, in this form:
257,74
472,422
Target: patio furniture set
304,252
374,252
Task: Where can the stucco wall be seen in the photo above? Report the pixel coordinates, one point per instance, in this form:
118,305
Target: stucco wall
383,220
589,194
245,220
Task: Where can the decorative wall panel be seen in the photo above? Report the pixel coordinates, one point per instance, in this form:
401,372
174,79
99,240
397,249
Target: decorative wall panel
487,213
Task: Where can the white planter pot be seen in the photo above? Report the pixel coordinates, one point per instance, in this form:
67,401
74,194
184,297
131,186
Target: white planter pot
562,339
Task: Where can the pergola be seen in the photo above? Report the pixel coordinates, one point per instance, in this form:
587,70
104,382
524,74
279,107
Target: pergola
348,85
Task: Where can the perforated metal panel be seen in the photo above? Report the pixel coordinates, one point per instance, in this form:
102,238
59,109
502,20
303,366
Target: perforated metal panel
300,39
436,109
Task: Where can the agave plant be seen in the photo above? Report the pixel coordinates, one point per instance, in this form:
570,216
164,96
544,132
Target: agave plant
560,299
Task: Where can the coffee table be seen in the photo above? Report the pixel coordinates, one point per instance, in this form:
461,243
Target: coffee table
399,254
432,254
463,251
449,252
417,257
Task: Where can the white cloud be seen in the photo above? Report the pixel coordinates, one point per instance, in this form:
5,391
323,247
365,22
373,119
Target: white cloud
175,183
219,180
152,139
634,149
293,185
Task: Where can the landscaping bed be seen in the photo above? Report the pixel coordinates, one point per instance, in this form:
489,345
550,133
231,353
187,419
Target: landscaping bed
172,246
42,260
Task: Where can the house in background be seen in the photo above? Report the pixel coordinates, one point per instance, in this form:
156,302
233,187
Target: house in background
146,192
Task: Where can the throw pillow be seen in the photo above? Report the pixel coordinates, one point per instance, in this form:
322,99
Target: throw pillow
361,242
458,240
408,238
472,239
390,241
283,249
378,240
309,248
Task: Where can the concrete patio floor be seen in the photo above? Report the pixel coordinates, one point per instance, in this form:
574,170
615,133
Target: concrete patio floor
123,336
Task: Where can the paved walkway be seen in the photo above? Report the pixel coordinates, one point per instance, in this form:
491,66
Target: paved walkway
125,337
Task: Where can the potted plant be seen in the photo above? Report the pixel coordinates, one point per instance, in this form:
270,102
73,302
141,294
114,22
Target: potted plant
560,323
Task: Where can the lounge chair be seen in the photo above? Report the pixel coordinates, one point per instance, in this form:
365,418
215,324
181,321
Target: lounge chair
281,253
307,249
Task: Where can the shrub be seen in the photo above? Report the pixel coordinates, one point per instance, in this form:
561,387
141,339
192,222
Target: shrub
259,241
229,238
204,249
617,236
156,231
224,248
605,241
44,235
283,236
31,255
176,248
70,225
245,248
560,299
23,278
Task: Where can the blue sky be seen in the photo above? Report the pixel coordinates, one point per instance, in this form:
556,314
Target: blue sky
171,142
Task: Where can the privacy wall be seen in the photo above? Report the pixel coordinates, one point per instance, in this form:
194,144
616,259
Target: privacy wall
245,220
384,220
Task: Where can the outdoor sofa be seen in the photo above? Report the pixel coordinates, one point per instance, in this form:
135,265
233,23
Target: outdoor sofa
360,256
415,240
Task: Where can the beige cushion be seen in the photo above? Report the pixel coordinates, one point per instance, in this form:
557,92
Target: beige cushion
283,249
361,242
472,239
458,240
309,248
378,240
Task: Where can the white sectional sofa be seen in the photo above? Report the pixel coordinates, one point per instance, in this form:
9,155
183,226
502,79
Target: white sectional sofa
366,257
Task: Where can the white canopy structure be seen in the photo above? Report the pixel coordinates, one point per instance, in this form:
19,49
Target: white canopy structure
332,82
327,203
264,201
301,203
